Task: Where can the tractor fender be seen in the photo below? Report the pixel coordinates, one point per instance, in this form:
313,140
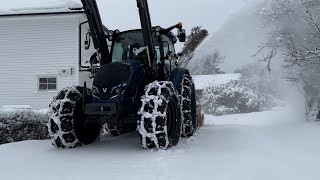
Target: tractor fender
177,75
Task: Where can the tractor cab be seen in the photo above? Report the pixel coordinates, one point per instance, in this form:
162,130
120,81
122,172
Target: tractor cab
129,45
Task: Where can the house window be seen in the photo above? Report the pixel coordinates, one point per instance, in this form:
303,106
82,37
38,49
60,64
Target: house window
47,83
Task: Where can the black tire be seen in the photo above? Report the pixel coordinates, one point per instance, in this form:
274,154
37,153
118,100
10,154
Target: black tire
160,124
66,125
187,99
119,130
195,121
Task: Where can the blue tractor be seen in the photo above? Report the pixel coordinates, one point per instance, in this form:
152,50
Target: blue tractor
137,85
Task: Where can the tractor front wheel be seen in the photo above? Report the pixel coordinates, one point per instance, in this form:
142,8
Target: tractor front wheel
160,123
67,127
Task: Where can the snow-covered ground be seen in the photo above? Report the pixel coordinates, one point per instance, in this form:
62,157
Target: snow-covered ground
277,144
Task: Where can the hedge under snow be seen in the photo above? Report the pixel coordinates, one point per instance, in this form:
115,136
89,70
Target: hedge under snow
20,125
232,98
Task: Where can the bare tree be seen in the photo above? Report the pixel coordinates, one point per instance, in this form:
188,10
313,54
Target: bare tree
295,33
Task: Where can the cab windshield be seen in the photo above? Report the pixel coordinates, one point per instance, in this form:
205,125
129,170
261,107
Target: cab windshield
130,45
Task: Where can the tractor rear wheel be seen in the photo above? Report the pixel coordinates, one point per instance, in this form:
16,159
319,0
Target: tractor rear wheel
67,127
187,98
160,123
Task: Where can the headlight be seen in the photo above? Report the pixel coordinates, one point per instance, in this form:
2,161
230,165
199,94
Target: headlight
118,90
157,29
95,91
110,33
117,31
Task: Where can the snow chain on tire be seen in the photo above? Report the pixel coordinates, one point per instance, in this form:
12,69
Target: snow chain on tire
186,93
159,98
61,125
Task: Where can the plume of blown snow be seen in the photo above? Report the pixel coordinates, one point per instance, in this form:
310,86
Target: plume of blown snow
237,40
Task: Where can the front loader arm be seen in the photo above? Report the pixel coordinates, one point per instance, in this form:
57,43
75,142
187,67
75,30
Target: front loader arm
147,31
97,30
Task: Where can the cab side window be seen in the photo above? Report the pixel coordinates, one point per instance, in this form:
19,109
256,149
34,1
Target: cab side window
169,52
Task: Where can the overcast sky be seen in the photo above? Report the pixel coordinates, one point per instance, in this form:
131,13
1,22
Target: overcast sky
210,14
123,14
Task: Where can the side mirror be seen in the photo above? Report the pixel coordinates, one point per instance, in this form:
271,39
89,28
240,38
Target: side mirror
181,35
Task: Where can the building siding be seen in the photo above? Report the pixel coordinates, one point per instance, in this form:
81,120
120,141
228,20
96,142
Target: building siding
36,46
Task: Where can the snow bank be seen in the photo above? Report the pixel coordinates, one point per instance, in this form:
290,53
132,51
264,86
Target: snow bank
19,125
203,81
12,107
23,115
232,98
37,6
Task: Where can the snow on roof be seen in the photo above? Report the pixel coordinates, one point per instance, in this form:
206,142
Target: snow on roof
203,81
37,6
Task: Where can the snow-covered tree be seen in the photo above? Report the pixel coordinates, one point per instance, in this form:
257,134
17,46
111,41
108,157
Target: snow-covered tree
295,33
255,77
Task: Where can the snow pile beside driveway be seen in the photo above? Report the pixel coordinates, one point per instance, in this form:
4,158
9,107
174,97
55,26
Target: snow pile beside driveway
232,98
19,125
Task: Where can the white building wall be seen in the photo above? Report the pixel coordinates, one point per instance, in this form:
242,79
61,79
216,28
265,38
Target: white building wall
33,46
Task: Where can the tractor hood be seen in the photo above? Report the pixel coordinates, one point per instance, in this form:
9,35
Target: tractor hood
117,80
